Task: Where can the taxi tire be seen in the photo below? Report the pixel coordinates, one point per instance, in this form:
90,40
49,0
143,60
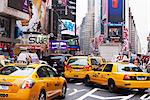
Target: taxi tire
42,95
87,80
64,90
111,86
68,80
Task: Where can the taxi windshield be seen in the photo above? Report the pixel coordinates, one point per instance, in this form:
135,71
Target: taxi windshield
128,68
78,62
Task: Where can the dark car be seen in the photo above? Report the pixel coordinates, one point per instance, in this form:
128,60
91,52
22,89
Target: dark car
57,61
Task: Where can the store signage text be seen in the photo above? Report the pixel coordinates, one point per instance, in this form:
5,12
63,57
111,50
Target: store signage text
38,40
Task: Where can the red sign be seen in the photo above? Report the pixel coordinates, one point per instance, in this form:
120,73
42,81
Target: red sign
115,4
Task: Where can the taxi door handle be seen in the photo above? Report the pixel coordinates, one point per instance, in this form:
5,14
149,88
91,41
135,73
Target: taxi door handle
99,73
107,74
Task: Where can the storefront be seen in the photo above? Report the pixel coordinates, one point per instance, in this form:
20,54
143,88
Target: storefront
9,13
6,49
33,42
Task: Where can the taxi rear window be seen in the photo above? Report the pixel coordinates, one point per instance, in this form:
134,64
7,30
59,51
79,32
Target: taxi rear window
15,70
24,72
128,68
78,62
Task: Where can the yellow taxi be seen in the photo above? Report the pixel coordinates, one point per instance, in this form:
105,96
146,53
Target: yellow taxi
33,82
119,75
77,66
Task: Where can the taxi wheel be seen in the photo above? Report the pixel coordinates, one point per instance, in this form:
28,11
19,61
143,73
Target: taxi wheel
64,89
42,95
87,80
68,80
111,86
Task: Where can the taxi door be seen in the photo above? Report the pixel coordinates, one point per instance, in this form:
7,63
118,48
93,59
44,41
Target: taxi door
105,74
48,81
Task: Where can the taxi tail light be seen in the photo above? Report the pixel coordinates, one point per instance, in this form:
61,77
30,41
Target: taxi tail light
88,67
27,84
126,77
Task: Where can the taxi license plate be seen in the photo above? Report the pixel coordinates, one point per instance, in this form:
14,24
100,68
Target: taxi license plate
141,78
2,87
77,70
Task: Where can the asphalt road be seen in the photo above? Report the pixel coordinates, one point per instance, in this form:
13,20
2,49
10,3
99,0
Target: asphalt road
78,91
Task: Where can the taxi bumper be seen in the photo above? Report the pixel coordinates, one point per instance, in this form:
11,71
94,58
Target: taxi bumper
133,84
22,94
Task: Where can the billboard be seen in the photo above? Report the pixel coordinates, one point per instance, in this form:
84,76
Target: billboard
116,10
58,45
21,5
115,32
68,27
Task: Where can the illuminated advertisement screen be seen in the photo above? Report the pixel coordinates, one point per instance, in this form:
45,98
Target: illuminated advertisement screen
58,45
21,5
116,10
115,33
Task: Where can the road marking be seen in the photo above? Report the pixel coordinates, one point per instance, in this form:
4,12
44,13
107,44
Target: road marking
78,83
76,91
90,94
68,89
144,97
87,94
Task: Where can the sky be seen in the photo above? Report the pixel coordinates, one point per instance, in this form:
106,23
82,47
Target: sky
141,13
81,10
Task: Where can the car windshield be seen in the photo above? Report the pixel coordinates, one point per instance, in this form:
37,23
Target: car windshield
128,68
78,62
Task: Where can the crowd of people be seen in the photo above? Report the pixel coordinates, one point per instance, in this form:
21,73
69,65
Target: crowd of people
144,64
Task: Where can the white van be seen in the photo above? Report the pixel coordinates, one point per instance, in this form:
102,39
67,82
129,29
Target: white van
26,57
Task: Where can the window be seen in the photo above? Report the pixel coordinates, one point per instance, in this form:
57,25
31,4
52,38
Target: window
8,70
128,68
108,68
95,61
78,62
46,71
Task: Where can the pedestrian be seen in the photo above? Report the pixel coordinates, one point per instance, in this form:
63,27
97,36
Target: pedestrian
136,62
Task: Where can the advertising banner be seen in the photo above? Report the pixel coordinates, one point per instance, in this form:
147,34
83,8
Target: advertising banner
68,27
58,45
115,33
116,11
37,19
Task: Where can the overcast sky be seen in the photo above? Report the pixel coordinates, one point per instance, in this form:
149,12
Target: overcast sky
141,13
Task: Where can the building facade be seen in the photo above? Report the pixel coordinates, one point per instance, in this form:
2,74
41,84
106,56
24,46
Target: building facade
134,41
87,30
10,11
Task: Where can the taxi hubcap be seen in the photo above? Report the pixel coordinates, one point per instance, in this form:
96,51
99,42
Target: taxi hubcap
42,97
63,90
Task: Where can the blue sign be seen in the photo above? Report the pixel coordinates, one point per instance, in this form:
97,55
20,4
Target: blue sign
69,25
116,10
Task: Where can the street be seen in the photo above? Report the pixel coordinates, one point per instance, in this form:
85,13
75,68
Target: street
78,91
